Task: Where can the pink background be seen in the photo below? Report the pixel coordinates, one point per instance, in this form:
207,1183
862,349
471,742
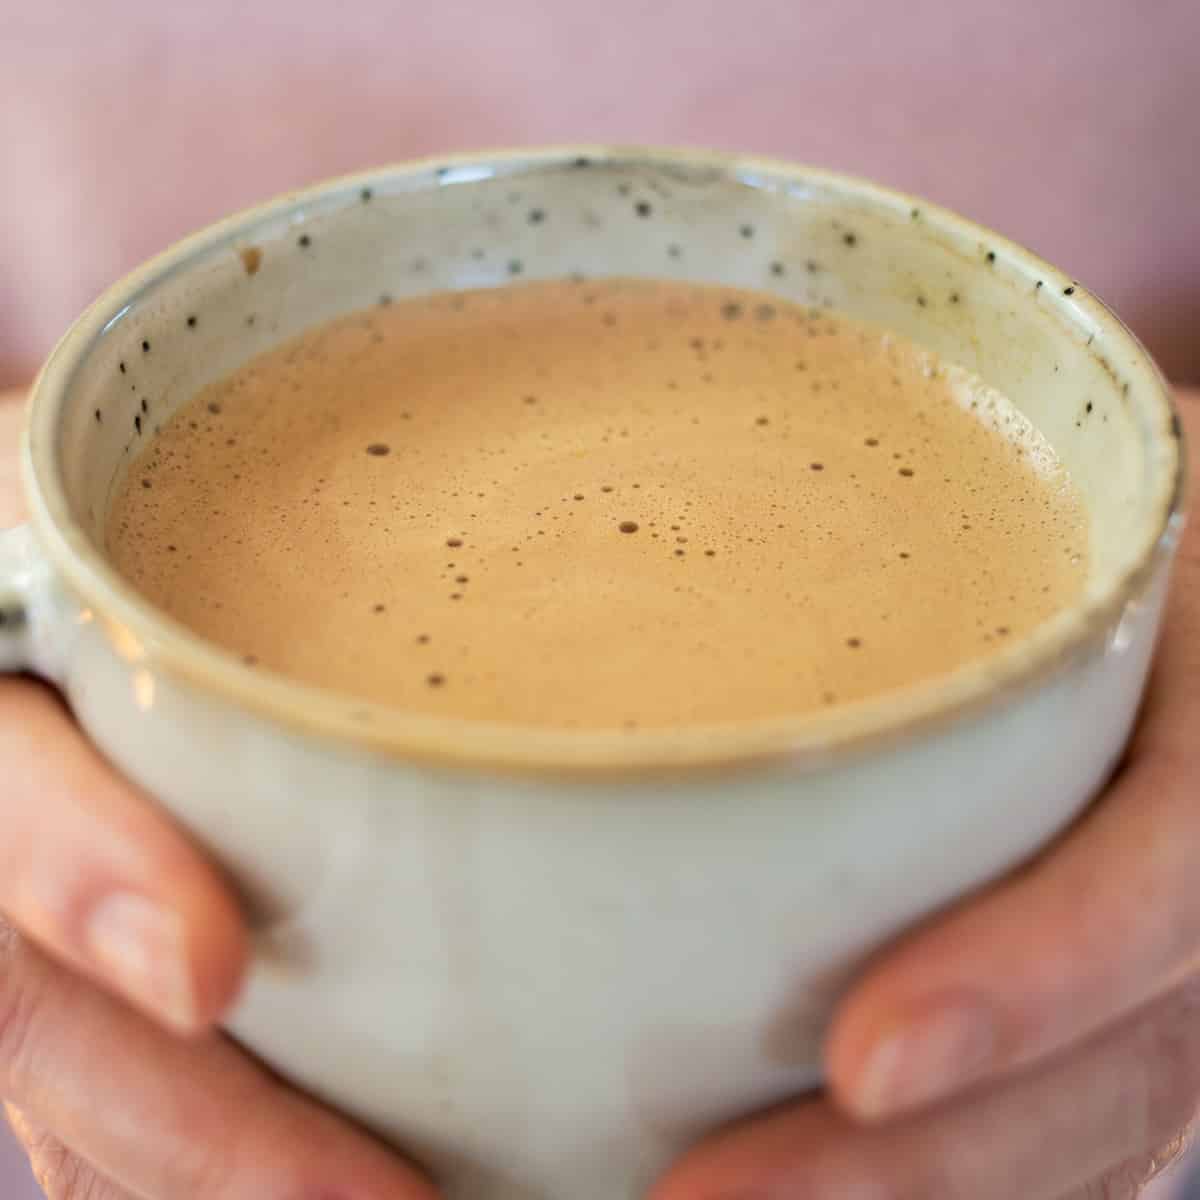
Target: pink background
1070,126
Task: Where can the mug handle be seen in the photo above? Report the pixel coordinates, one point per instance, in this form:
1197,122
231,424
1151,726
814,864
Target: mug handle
35,617
39,626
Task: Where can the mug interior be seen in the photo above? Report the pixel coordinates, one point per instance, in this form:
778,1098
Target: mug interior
227,294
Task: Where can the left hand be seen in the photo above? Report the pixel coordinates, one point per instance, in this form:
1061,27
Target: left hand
1041,1042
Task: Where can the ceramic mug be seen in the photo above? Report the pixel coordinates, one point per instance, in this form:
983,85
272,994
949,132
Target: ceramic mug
543,962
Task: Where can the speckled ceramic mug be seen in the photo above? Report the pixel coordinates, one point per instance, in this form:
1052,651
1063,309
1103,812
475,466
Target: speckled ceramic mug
544,962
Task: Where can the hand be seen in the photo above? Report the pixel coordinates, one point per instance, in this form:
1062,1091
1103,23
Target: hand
1043,1040
109,1103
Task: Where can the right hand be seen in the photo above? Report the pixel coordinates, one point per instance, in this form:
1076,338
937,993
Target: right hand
122,947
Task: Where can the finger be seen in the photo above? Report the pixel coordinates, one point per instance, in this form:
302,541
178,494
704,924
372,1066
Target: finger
166,1118
1092,929
61,1174
90,868
1087,933
1035,1136
93,871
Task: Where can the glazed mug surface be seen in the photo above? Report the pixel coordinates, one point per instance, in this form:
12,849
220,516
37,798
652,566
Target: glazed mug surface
544,962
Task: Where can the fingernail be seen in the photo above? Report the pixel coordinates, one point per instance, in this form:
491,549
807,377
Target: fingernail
140,948
927,1060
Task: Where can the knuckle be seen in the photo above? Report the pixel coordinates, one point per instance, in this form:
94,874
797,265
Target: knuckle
1124,1183
1162,1160
62,1175
1127,1181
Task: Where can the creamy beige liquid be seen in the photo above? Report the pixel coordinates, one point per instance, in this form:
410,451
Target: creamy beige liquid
620,503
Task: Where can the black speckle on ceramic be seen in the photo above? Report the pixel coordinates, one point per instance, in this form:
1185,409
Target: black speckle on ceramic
12,616
384,238
145,347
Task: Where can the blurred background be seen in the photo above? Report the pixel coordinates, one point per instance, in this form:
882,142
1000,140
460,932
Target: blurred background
1069,125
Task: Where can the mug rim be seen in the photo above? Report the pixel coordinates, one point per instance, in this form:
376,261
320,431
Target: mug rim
146,635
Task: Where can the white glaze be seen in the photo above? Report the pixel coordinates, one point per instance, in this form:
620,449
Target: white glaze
542,974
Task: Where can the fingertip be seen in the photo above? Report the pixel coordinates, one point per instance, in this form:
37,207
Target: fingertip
180,968
889,1054
214,943
858,1024
219,954
94,871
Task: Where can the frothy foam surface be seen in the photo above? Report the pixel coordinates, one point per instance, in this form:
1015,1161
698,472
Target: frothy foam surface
602,504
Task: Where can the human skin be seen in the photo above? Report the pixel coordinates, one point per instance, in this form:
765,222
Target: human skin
1041,1040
